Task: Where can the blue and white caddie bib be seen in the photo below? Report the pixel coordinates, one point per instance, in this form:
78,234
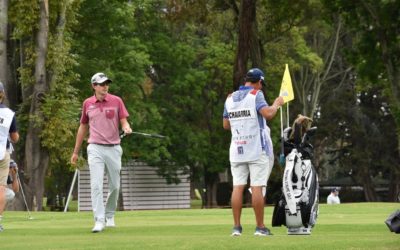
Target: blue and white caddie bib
246,141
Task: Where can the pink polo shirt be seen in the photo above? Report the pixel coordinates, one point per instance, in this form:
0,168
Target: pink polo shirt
103,118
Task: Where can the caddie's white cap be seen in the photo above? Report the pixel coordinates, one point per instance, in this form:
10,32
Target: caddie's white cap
100,78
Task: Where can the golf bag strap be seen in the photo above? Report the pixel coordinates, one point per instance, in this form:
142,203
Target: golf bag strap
287,181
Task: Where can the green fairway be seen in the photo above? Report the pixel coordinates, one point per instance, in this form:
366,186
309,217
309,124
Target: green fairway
346,226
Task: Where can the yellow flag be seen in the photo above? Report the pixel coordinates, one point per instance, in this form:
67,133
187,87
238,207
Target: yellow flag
286,87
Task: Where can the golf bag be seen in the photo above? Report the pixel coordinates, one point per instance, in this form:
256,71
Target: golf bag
297,207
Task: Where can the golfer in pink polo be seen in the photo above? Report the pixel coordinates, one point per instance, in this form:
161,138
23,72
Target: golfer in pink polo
101,116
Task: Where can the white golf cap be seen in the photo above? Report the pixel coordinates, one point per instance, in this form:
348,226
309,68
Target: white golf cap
99,78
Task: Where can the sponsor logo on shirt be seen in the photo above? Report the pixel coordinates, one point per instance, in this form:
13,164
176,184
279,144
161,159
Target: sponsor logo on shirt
244,137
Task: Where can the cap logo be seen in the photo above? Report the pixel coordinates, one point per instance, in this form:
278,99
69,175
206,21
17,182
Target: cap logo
99,78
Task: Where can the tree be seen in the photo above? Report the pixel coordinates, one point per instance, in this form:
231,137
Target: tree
44,76
248,46
359,131
174,61
3,42
376,52
323,64
36,156
191,67
114,45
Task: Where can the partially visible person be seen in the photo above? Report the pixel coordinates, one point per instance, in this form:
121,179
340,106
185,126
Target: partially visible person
102,114
8,131
12,182
251,152
333,197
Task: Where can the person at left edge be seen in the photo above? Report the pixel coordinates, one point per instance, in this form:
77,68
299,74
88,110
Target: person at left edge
101,116
12,182
8,131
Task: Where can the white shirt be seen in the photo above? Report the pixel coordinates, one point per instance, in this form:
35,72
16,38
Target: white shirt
333,199
6,118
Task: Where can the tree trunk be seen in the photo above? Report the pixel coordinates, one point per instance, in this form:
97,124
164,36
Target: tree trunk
247,39
394,186
37,157
211,194
394,76
369,188
210,180
3,42
5,65
255,46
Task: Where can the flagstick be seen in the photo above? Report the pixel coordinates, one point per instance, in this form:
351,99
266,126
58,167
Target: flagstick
287,115
286,92
282,155
281,122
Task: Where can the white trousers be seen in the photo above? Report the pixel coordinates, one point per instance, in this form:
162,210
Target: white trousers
104,158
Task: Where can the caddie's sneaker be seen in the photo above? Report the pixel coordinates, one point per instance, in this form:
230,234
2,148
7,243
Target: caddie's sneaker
262,231
110,222
98,227
237,231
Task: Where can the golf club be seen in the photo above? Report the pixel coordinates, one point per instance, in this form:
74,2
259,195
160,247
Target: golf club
23,196
122,135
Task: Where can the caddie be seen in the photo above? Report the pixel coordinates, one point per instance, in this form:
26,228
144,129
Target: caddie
251,152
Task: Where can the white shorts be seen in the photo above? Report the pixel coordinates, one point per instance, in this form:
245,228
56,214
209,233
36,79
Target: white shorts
259,171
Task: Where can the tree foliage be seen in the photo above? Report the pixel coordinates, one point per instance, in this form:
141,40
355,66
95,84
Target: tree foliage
375,53
52,118
173,62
